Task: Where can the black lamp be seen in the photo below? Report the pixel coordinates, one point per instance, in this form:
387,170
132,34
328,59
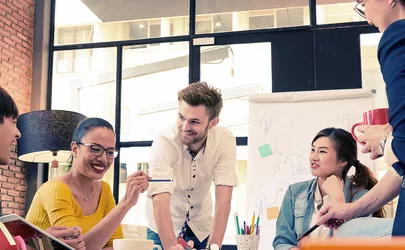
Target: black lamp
46,135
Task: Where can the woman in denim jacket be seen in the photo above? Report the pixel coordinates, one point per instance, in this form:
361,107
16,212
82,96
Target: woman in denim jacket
333,153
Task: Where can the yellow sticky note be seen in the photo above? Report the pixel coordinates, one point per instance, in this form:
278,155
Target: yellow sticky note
272,213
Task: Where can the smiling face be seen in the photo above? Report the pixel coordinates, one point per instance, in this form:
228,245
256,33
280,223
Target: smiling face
9,134
324,160
193,124
88,164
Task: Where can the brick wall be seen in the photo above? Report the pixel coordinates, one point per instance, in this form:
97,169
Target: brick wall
16,41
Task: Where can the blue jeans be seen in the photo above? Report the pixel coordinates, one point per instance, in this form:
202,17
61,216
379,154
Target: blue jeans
371,227
189,235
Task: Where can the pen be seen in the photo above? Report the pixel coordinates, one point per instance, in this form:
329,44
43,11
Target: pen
183,243
161,180
308,232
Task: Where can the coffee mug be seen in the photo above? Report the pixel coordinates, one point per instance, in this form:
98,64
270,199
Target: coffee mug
138,244
372,117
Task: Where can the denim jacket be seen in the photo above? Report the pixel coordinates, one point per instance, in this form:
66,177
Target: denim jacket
297,208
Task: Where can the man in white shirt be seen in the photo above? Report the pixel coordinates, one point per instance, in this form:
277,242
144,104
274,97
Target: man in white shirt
193,154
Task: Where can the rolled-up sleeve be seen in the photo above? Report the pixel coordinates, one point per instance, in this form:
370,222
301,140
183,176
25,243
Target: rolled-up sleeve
161,160
225,170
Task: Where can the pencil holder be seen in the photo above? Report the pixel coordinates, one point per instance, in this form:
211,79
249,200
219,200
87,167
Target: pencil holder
247,242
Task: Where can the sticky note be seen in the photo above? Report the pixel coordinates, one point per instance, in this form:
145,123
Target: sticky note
272,213
265,150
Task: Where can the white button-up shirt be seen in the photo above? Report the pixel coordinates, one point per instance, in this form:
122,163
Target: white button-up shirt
192,178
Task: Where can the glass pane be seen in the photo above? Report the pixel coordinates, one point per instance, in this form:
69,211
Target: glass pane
238,70
371,73
133,159
336,11
234,15
152,76
80,78
89,21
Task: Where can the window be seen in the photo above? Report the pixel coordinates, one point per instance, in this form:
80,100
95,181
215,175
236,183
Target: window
238,70
151,79
111,21
337,11
74,61
250,15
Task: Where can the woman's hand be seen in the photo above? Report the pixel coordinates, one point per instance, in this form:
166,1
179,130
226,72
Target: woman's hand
372,134
333,187
137,183
70,236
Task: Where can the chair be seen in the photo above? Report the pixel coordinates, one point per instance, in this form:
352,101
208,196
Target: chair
134,231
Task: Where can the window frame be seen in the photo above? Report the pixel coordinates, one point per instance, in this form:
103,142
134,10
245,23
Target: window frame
282,39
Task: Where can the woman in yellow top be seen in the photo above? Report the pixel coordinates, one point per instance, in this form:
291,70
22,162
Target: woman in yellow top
80,198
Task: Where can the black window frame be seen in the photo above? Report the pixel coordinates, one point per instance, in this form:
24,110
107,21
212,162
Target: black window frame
316,54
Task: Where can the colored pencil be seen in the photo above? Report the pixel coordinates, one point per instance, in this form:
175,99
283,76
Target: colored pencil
237,222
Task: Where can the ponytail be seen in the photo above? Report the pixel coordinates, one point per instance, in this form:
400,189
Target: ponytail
363,178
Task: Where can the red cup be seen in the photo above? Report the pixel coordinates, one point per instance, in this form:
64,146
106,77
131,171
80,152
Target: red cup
372,117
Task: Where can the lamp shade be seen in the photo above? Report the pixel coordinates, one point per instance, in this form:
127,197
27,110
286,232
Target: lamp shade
46,135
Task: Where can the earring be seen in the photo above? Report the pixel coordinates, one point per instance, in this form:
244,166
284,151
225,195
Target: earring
393,4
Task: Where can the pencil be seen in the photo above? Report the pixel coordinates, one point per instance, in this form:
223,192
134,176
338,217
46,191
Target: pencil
161,180
237,222
257,224
252,227
308,232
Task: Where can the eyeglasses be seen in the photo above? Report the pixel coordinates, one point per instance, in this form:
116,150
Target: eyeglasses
360,9
98,150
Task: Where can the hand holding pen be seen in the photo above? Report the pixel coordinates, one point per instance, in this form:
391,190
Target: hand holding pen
183,245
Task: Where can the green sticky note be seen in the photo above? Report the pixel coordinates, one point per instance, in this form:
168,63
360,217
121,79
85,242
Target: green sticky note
265,150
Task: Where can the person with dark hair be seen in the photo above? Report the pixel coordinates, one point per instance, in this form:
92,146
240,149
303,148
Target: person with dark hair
333,153
80,197
389,17
194,154
9,134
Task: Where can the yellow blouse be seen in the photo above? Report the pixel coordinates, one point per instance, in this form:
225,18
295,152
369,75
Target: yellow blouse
54,204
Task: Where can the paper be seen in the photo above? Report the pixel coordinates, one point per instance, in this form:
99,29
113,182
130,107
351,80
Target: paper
272,213
265,150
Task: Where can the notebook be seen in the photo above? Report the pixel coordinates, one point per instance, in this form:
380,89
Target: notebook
34,237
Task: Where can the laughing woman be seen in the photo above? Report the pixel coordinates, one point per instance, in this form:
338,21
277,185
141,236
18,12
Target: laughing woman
80,198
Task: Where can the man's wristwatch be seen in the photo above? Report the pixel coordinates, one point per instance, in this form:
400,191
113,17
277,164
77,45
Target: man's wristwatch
212,247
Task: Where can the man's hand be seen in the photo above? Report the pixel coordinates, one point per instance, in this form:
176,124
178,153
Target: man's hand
334,214
180,247
372,134
333,187
70,236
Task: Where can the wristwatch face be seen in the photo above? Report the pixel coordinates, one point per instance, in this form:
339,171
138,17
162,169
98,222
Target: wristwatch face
214,247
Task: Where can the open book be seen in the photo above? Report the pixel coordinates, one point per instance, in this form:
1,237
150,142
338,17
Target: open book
19,234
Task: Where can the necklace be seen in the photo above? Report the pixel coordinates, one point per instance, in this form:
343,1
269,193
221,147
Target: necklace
86,197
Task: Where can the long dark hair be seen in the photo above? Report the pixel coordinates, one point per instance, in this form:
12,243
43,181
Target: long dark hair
346,150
